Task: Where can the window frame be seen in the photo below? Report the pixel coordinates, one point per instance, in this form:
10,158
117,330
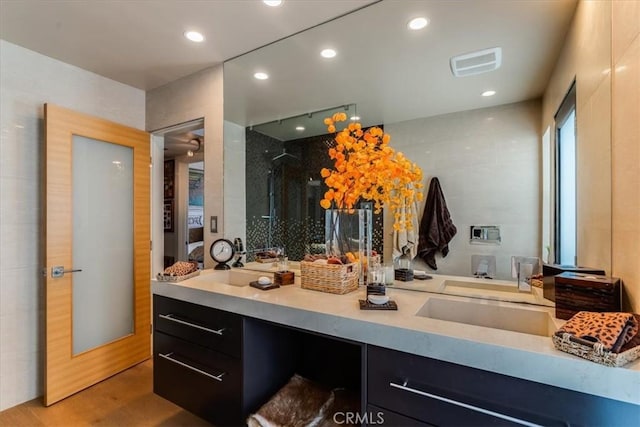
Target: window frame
567,106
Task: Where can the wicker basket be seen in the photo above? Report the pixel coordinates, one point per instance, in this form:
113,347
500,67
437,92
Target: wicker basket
587,350
332,278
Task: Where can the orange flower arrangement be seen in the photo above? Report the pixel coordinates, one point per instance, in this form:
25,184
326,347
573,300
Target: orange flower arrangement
367,168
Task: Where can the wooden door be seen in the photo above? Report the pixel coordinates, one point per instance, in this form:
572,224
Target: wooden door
76,233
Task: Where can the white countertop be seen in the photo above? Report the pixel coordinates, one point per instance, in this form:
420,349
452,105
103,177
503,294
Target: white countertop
516,354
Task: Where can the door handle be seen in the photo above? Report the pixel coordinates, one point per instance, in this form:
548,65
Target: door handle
186,365
58,271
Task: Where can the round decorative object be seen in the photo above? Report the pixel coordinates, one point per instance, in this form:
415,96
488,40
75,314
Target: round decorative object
222,251
378,299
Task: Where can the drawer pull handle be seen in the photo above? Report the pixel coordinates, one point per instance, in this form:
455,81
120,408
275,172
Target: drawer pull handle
200,371
193,325
464,405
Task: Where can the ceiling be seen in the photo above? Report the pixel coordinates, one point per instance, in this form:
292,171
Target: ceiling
140,42
388,72
393,74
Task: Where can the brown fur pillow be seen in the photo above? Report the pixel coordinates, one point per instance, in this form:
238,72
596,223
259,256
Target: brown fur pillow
300,403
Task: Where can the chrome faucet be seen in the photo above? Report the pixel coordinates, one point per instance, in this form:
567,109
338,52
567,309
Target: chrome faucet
524,272
522,268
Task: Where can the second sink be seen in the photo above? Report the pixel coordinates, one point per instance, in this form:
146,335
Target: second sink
490,314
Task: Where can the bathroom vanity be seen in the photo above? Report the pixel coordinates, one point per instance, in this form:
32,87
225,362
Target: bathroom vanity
222,348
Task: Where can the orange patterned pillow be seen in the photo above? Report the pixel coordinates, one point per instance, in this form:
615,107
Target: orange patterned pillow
612,330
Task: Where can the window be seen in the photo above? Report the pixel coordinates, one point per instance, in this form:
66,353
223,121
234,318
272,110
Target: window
565,181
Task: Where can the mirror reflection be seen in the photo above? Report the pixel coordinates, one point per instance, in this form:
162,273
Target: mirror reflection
479,133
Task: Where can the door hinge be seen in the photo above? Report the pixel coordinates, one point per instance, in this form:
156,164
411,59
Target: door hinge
150,328
151,245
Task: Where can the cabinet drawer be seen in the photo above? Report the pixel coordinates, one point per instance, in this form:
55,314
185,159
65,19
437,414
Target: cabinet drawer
214,329
198,379
443,393
384,417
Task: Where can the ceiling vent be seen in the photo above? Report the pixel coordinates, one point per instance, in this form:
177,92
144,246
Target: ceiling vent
478,62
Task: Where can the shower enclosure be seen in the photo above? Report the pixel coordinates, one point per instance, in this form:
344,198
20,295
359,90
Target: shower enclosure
284,187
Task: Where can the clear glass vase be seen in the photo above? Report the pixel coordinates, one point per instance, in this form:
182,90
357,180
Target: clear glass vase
348,232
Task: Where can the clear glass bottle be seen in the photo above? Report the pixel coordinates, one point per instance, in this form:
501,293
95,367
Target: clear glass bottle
376,274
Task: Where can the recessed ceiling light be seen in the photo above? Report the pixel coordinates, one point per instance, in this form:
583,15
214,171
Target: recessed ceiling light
418,23
272,3
261,76
300,128
194,36
354,118
328,53
488,93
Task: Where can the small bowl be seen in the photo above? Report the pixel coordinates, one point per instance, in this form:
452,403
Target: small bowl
378,299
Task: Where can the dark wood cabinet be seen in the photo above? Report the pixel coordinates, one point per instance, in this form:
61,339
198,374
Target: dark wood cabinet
223,367
446,394
216,364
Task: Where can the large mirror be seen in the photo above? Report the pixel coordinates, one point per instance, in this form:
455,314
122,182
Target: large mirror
485,150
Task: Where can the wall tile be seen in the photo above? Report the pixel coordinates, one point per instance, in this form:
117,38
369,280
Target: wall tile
594,179
626,171
594,44
625,15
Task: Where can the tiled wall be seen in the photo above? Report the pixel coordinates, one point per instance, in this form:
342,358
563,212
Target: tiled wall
488,164
27,81
625,106
299,219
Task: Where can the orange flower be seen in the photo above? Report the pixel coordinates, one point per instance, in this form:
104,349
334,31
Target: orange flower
367,168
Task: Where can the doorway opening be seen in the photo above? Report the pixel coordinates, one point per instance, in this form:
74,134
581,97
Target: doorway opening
178,235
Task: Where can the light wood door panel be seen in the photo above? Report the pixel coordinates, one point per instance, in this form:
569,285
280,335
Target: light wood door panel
66,373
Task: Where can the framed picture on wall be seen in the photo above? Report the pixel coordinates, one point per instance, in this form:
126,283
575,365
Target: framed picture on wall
169,177
168,215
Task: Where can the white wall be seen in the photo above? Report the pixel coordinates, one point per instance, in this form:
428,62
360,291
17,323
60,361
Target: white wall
488,164
199,95
27,81
235,206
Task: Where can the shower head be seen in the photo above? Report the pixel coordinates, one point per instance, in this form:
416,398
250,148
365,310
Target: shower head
285,155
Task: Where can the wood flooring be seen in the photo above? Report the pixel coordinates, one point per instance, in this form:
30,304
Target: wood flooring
123,400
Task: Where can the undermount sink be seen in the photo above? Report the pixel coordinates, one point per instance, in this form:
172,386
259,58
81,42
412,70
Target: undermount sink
463,286
232,277
490,314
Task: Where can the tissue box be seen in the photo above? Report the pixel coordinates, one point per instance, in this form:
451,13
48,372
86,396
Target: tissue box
586,292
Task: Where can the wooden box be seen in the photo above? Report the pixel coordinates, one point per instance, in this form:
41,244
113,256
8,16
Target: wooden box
549,271
283,277
586,292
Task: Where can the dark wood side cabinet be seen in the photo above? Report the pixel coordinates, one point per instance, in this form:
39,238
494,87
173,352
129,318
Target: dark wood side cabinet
426,391
218,365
